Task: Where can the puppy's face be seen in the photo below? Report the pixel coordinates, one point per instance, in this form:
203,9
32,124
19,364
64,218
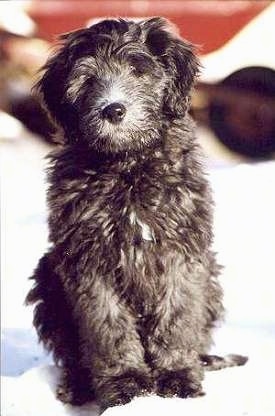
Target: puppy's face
113,85
117,93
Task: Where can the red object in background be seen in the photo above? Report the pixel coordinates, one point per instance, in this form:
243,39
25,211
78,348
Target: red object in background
208,24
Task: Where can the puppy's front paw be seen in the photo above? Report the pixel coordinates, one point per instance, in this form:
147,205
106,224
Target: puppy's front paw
122,389
178,383
73,396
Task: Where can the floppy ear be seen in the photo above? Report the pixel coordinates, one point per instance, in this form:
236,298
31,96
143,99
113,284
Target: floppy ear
50,88
179,61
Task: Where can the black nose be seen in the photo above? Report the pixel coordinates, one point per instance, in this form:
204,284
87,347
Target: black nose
114,112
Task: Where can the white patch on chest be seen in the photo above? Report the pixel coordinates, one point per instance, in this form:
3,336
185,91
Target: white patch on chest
146,232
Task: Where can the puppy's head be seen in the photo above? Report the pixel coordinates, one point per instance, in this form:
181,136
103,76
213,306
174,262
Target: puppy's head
113,84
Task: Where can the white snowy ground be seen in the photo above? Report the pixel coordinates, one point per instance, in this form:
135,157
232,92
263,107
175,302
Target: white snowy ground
244,238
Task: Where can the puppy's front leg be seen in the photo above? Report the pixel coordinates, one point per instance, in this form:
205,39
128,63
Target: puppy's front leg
176,365
111,347
174,334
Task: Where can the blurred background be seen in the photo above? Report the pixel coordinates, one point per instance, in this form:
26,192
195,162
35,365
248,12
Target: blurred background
233,104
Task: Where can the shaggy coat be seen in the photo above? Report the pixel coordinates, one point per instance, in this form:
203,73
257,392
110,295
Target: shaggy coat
127,294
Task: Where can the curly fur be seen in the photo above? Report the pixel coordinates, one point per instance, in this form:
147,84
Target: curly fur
127,295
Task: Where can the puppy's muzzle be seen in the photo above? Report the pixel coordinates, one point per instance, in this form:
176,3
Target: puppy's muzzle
114,112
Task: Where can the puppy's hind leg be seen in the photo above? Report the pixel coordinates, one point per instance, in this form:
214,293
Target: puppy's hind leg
56,330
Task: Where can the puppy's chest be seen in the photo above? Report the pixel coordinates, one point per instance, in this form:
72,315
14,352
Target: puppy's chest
145,212
139,229
116,212
138,216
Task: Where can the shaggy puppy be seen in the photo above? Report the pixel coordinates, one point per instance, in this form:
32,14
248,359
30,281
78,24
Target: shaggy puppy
127,295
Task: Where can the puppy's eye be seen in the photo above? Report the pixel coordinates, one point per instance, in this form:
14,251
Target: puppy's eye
140,64
91,81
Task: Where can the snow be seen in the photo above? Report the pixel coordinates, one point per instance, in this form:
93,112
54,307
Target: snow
32,394
244,239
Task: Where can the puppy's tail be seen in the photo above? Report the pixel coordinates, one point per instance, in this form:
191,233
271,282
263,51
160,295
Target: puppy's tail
214,362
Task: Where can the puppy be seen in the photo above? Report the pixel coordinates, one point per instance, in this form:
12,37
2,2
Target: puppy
127,295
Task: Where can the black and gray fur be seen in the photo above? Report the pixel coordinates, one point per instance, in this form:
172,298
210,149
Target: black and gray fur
127,295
